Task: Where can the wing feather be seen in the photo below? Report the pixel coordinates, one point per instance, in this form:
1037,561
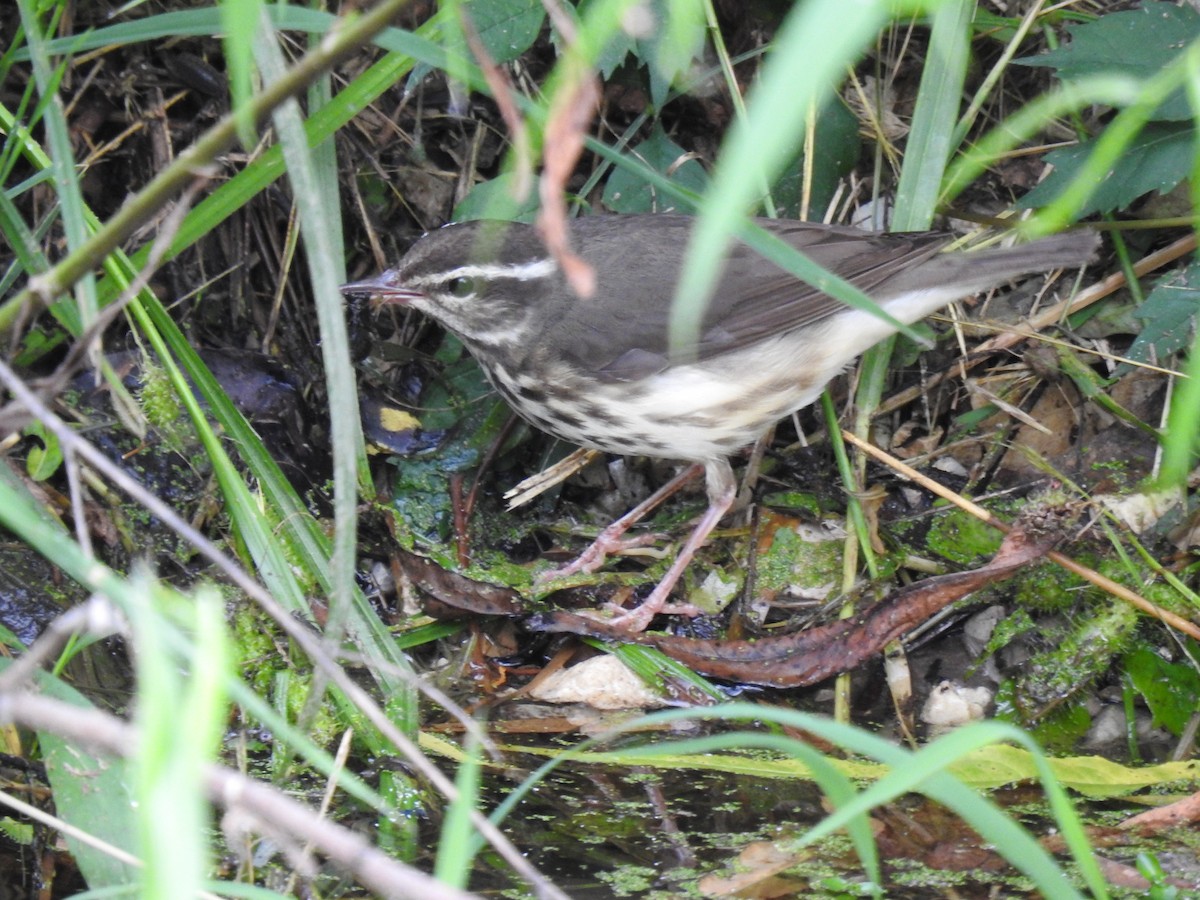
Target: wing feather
621,333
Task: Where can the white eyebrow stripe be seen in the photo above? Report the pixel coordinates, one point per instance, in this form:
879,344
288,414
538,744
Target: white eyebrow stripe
539,268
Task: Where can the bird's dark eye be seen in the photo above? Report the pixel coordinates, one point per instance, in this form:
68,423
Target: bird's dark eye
461,287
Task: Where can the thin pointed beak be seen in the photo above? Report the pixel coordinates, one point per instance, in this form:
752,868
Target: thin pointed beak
381,289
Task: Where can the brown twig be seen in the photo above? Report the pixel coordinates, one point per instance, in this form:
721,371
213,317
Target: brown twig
571,110
1173,815
502,92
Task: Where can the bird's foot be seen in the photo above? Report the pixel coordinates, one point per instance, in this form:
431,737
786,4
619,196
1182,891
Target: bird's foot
609,543
638,618
612,539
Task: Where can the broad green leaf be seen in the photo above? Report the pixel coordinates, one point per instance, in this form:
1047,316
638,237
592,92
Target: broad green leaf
614,52
835,154
626,192
1171,690
91,791
674,44
507,28
45,457
1156,160
495,200
1137,42
1170,313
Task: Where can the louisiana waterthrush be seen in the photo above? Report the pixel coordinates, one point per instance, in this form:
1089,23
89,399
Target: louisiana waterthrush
599,371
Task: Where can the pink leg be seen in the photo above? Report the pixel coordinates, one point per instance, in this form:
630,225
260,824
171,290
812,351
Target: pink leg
610,540
722,488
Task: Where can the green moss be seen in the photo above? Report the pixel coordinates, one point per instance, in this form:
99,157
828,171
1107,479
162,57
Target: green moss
1146,582
1116,471
160,404
794,502
1052,678
291,694
961,538
628,881
257,646
495,567
792,560
1008,629
1063,728
1045,586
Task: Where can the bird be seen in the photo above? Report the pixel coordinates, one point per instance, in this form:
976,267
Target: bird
601,371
